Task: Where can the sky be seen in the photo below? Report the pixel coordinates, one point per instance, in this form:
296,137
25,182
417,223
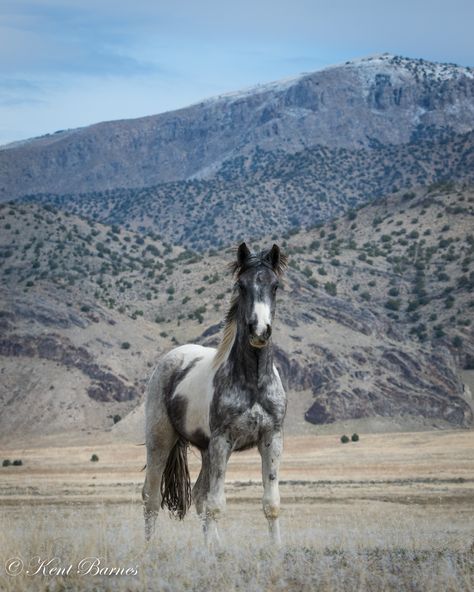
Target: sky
70,63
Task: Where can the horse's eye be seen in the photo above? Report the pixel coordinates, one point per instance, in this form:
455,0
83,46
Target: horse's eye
274,288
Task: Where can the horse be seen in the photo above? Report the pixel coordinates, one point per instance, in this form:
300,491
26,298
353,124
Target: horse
219,400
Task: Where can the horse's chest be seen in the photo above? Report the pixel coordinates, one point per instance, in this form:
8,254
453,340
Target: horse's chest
245,417
253,420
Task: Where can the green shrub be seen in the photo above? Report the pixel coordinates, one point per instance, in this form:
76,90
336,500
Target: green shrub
6,463
393,304
125,345
344,439
331,288
355,437
17,463
94,458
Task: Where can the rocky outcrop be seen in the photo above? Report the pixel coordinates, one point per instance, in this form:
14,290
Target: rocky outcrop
400,385
105,386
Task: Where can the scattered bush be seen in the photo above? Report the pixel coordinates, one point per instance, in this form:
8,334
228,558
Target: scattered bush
17,463
330,288
344,439
393,304
94,458
6,463
352,215
125,345
355,437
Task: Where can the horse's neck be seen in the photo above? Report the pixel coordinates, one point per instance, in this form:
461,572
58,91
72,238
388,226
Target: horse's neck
254,366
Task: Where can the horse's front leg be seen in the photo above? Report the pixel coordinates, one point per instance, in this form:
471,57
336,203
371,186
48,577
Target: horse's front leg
270,447
219,451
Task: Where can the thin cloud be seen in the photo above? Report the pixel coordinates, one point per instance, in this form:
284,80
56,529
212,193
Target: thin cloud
66,39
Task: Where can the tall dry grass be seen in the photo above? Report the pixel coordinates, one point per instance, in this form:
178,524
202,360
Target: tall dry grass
344,546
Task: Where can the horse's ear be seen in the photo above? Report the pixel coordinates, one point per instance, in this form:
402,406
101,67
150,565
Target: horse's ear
243,254
277,259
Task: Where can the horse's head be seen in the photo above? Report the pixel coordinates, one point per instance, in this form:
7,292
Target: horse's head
258,278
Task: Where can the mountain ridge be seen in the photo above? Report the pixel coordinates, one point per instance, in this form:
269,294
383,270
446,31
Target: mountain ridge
353,105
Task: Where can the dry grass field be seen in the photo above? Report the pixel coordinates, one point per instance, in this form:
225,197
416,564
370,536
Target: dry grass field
393,511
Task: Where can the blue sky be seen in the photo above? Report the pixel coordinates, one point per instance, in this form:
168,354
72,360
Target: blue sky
69,63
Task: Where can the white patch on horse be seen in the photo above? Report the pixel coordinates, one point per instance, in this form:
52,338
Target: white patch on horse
263,315
197,387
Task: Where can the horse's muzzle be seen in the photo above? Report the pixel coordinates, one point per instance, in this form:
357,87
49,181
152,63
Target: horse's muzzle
258,342
262,339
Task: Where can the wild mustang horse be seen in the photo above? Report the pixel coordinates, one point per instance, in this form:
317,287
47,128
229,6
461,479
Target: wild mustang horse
220,401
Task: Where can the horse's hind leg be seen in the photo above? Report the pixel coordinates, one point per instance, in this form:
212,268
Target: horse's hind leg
201,487
160,439
157,457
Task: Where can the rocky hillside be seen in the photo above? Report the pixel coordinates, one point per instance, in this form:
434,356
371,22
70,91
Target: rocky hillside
281,191
377,101
375,320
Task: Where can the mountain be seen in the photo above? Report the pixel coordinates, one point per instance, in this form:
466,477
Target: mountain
374,322
363,104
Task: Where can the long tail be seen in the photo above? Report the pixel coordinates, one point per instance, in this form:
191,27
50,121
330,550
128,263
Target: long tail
176,483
